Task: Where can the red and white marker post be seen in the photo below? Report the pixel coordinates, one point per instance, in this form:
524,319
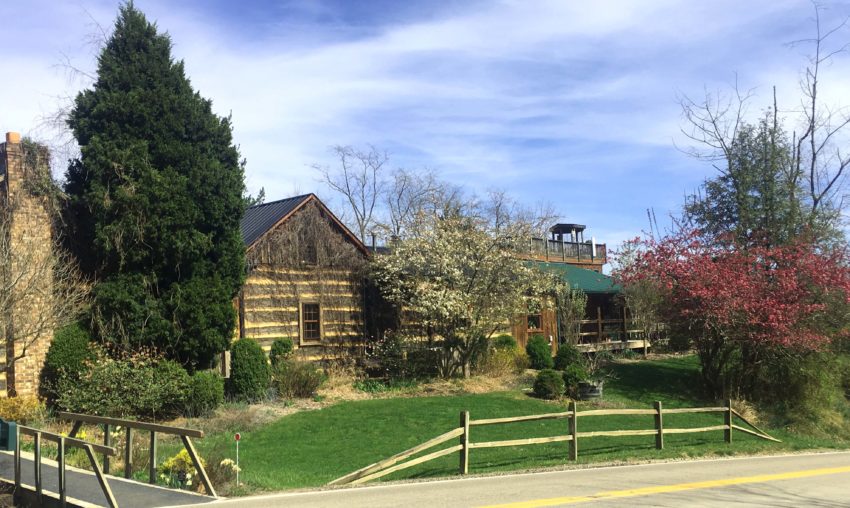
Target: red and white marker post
238,437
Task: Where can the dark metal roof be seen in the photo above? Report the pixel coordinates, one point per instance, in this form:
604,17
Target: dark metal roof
566,228
260,218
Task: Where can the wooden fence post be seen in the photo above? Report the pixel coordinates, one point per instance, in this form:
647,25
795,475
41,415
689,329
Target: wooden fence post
659,426
37,463
107,441
152,460
61,467
128,454
573,431
598,324
464,442
727,417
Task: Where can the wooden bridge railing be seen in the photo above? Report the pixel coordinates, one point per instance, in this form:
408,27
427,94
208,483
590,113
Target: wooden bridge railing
62,443
153,428
396,462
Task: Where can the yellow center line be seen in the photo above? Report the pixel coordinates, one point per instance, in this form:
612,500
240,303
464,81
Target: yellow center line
661,489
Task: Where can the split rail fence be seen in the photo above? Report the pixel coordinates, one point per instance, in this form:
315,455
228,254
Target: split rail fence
400,461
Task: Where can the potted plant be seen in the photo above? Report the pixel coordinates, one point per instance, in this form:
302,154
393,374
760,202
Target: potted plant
591,386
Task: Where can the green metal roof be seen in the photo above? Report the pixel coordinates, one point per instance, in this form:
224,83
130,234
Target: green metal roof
582,278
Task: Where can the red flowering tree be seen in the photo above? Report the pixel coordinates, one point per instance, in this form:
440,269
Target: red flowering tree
737,303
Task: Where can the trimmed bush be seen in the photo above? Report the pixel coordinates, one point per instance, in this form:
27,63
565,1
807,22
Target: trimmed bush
207,393
567,355
504,341
281,350
503,362
138,385
296,379
539,353
573,375
549,384
67,357
23,409
250,374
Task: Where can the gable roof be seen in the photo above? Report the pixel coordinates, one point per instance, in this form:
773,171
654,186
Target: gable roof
260,219
581,278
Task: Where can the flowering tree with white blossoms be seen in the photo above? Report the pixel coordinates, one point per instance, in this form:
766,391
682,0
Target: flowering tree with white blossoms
458,276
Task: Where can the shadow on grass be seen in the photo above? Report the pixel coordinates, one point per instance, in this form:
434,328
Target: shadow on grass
674,380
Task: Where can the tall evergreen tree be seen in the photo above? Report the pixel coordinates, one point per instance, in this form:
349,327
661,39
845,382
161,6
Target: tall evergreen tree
156,200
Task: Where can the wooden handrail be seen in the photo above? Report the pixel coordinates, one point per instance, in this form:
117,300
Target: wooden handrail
62,442
151,427
184,433
69,441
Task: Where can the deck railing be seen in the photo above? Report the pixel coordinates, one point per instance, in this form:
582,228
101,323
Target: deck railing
555,250
397,462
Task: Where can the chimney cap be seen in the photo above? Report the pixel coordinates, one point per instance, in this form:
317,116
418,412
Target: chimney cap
13,137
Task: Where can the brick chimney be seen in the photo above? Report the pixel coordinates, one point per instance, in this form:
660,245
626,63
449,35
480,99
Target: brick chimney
30,238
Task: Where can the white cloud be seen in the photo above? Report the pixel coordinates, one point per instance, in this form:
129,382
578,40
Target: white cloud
515,92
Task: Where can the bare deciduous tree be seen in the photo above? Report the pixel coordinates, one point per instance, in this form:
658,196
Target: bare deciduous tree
817,164
360,179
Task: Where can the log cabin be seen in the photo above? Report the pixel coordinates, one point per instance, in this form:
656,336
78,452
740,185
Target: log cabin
304,279
578,262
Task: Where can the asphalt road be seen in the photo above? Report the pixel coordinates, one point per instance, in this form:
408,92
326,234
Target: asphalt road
83,486
805,480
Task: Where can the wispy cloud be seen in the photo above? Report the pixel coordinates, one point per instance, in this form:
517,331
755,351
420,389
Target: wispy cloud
570,102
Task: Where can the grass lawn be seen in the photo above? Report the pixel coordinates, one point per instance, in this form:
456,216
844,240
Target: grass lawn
311,448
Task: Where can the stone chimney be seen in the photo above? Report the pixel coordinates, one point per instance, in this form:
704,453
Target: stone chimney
29,236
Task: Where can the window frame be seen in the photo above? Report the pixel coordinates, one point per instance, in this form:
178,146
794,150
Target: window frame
302,321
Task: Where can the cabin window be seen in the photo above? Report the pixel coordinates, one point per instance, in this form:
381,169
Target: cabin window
311,322
534,323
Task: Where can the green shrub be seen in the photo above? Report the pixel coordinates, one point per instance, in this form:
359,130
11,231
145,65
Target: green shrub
504,341
549,384
66,357
250,374
567,355
573,375
297,379
207,393
539,353
503,362
139,385
23,409
281,350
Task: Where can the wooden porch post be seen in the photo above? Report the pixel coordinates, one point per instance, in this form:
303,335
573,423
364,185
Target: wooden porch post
598,324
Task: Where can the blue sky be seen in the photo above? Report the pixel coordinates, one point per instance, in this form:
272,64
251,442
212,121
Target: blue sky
574,103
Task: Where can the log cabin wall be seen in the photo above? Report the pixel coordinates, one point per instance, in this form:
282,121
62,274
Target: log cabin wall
305,283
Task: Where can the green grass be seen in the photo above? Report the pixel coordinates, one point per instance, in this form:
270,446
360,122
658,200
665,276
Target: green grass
311,448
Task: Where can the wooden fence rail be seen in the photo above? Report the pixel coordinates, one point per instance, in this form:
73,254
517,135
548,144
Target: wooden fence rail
396,462
153,428
62,443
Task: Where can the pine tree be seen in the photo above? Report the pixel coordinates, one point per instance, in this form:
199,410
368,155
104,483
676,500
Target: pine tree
155,201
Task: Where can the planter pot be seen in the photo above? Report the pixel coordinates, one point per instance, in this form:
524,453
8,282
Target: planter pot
590,390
